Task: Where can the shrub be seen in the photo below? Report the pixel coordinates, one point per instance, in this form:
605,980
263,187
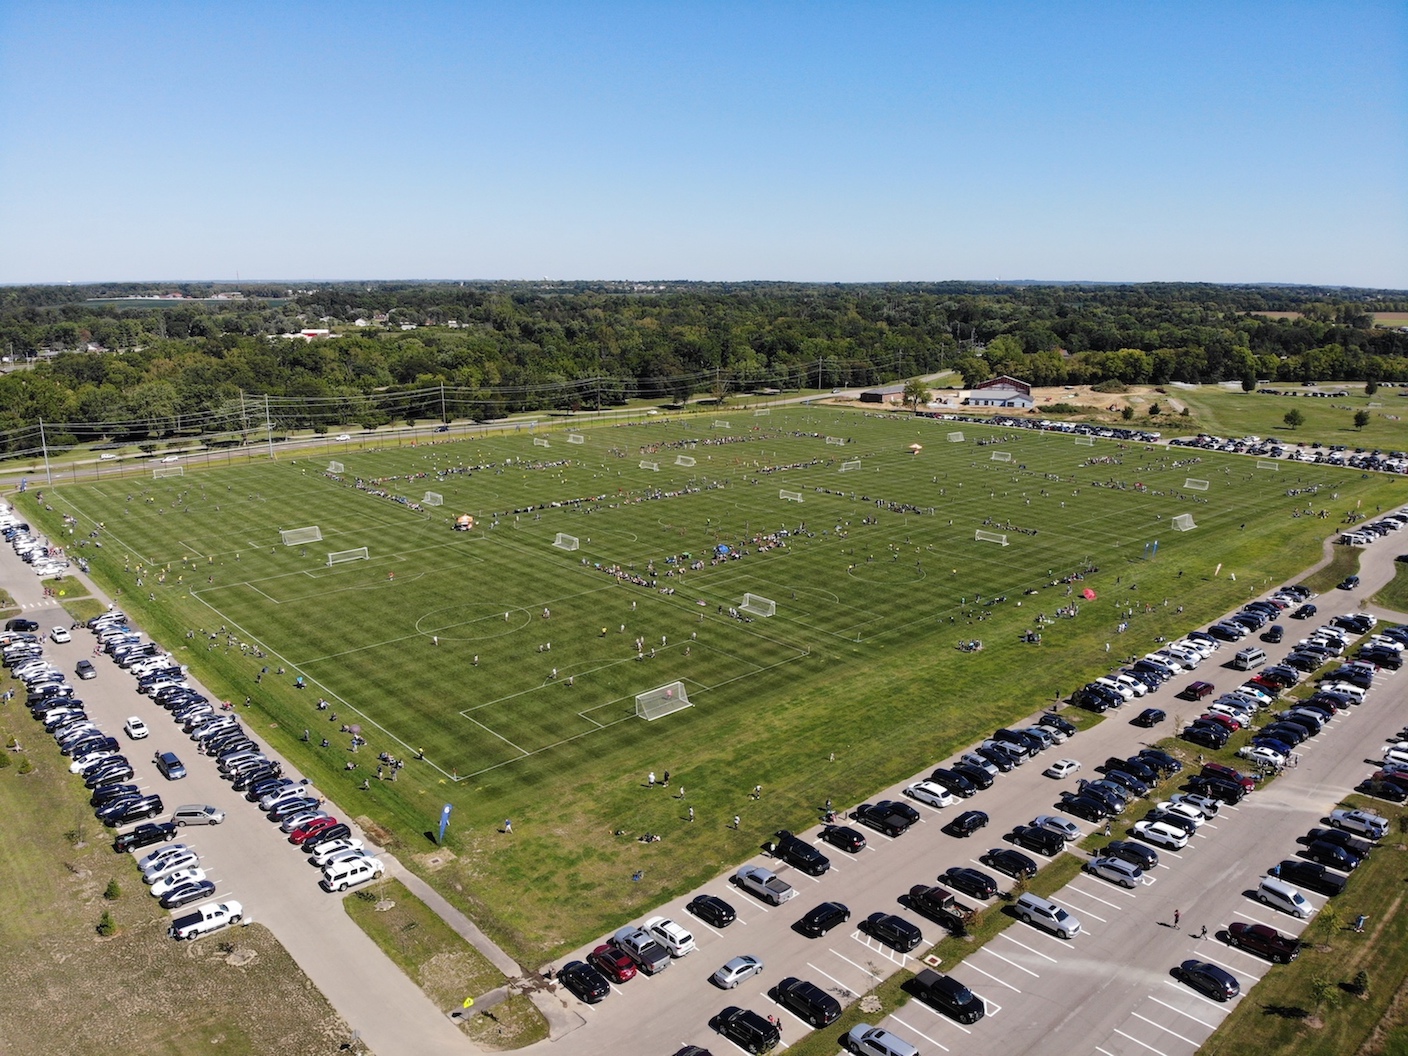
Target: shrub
113,891
25,766
1155,409
4,760
1360,985
1127,413
106,925
1111,385
1062,408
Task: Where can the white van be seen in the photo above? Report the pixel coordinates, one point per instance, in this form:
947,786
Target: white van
1280,895
339,876
1248,659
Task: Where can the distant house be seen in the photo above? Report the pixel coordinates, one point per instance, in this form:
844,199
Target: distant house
884,394
1001,391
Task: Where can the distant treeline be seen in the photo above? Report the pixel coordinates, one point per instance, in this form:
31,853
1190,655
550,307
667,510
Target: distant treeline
141,371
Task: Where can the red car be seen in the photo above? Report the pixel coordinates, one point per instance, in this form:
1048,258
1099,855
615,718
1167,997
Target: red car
1225,720
1197,691
304,833
1226,773
615,964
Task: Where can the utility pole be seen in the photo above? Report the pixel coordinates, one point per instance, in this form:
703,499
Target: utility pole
44,443
269,425
442,404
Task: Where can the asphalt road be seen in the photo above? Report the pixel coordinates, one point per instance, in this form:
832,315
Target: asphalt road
247,856
1109,991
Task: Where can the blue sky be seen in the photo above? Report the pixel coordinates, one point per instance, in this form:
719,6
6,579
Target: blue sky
835,142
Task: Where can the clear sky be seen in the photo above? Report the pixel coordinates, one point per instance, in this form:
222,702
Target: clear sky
1120,141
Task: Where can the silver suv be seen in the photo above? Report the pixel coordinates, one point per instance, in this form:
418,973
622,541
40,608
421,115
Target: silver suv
1036,910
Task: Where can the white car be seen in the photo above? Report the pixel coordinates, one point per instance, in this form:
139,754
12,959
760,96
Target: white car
1205,805
183,859
987,765
60,635
1364,822
670,935
1062,768
106,456
1183,810
933,794
170,458
301,818
342,438
170,850
1067,830
1133,684
1396,753
1161,834
1124,691
1116,870
135,728
170,881
1259,753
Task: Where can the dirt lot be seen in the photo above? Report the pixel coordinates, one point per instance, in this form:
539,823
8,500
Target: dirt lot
69,990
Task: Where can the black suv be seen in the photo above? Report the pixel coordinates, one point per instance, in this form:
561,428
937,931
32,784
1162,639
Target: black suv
1043,841
808,1001
585,981
800,853
144,836
948,995
893,931
1310,875
884,816
954,782
746,1029
820,919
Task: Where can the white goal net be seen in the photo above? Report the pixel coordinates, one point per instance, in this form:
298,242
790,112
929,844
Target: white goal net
168,471
433,498
298,536
654,467
1266,463
720,423
684,460
665,700
955,438
1193,484
789,496
1001,456
838,441
336,557
762,412
757,605
1085,441
846,467
1183,523
981,536
576,438
335,467
541,441
565,541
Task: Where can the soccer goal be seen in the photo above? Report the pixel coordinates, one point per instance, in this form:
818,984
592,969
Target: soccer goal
298,536
684,460
789,496
565,541
335,467
168,471
955,438
433,498
720,423
838,441
1001,456
576,438
981,536
762,412
1183,523
654,467
846,467
1266,463
541,441
757,605
1085,441
336,557
657,703
1194,484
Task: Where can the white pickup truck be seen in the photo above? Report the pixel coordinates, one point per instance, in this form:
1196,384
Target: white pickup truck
765,884
204,919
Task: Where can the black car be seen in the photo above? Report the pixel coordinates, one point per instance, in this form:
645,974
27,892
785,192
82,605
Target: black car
948,995
1127,780
1115,797
798,852
1160,760
821,919
1206,736
108,793
1310,875
1057,723
844,837
1178,821
144,836
976,775
746,1029
125,811
967,823
1135,853
954,782
894,931
1148,718
110,774
883,817
970,881
1225,791
1386,790
1014,863
1085,806
1333,855
261,788
1217,983
1136,766
1043,841
712,910
333,832
584,981
1304,612
1000,759
185,894
807,1001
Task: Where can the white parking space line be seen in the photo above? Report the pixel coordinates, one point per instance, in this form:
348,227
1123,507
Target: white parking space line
1175,1008
1136,1041
708,927
1063,902
849,993
866,971
1214,960
989,950
1106,1052
995,979
993,1008
1166,1030
1187,992
1244,953
1111,890
1269,923
1024,946
926,1037
939,1016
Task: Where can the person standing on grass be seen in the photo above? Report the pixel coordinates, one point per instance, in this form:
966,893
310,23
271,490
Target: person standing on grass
508,825
736,821
650,779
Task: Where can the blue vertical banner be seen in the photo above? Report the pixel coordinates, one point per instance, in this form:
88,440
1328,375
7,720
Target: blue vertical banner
444,820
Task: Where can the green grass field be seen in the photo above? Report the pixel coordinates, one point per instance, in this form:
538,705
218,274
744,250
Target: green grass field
1328,421
439,640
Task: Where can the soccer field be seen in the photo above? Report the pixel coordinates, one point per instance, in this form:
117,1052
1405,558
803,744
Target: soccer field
515,664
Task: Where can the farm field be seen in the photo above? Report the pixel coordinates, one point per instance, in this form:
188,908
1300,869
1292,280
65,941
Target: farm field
1327,421
514,664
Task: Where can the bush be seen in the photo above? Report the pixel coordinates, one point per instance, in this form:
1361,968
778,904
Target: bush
25,766
1112,385
113,891
1127,413
4,760
106,925
1360,985
1062,408
1155,409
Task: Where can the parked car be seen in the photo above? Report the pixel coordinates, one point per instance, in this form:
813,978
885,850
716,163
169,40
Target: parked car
1207,978
1012,862
967,823
736,970
948,995
712,910
818,920
748,1030
1116,870
1263,940
894,931
970,881
613,963
844,837
584,981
